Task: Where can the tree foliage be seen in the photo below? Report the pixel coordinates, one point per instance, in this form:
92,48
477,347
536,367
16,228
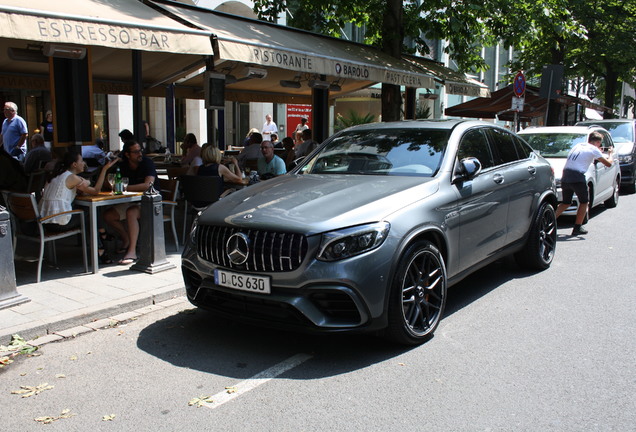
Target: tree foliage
592,39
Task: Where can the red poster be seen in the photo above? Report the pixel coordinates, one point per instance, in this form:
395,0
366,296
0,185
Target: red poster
294,113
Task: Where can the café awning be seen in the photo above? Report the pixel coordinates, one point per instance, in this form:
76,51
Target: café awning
454,82
122,24
110,29
499,105
244,48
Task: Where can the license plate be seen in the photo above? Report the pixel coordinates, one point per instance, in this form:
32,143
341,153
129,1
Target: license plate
244,282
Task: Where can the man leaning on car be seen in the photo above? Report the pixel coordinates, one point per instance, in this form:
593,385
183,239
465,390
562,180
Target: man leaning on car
573,180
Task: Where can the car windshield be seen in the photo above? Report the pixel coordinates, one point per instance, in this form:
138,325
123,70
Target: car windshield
403,152
621,132
555,145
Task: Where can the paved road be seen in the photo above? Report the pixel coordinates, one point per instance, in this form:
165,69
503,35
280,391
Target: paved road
552,351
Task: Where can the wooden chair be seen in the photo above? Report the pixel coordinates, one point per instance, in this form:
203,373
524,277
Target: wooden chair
176,172
199,192
24,210
170,194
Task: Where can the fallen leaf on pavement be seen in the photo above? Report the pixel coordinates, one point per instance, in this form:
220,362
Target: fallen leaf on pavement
50,419
200,401
73,357
60,376
28,391
232,389
110,417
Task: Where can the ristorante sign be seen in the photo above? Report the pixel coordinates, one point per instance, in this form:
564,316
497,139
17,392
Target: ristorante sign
316,64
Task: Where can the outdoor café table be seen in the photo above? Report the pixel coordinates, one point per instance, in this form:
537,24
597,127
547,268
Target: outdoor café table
93,202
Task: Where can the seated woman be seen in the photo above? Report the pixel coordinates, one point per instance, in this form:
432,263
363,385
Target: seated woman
212,166
60,192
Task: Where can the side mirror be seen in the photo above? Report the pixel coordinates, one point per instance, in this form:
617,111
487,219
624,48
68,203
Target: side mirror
468,168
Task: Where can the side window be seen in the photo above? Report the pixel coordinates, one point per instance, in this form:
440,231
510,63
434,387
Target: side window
475,144
523,150
504,146
606,141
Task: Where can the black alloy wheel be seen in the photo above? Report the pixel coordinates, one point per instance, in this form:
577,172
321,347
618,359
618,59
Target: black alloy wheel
538,252
418,295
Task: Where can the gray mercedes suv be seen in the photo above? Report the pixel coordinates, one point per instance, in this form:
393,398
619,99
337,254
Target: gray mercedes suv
370,230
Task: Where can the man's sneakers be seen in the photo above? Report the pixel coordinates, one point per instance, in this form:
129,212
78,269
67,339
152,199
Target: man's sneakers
578,230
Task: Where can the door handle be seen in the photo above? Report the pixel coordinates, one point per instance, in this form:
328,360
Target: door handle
532,170
498,178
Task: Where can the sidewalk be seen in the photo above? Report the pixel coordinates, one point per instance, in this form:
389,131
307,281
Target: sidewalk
68,297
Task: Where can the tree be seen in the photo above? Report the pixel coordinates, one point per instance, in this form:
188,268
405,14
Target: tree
388,24
592,40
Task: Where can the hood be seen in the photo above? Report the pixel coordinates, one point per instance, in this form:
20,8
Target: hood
557,164
624,148
313,203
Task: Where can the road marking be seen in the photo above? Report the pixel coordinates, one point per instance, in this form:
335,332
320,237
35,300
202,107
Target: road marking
257,380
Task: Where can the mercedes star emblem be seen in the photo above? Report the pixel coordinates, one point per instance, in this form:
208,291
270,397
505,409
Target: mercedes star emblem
237,248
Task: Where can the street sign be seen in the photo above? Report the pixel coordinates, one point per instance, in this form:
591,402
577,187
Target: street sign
519,84
517,103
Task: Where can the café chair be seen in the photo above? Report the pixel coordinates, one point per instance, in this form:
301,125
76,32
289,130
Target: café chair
251,164
176,172
24,214
37,179
170,194
198,193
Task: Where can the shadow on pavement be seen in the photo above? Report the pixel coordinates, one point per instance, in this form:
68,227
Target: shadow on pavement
196,339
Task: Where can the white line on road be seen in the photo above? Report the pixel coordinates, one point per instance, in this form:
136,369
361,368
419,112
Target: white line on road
257,380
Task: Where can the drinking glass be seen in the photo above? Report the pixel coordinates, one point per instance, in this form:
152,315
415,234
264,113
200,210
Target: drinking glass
124,183
111,182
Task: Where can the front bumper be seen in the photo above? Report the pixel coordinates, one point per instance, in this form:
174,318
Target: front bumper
344,296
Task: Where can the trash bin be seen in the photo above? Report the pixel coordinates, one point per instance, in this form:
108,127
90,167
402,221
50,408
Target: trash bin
8,290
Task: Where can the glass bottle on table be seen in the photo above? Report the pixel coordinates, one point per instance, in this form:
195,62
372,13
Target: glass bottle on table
119,189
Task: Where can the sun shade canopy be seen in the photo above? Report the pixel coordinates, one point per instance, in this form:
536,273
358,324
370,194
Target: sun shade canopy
499,105
243,45
123,24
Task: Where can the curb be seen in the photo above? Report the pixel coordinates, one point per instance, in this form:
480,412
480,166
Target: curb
73,323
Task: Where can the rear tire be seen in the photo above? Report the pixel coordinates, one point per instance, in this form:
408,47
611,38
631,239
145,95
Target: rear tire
538,252
418,295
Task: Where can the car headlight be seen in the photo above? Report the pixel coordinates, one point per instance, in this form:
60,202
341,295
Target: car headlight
625,158
193,229
348,242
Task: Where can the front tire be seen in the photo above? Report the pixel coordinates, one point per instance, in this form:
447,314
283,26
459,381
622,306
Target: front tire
538,252
418,295
613,200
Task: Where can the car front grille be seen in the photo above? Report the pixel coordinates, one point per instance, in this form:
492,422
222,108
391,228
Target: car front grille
269,251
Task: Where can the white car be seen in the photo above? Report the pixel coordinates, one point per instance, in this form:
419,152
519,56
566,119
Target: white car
623,132
554,144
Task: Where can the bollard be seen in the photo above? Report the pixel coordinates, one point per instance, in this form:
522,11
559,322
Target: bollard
8,290
152,258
